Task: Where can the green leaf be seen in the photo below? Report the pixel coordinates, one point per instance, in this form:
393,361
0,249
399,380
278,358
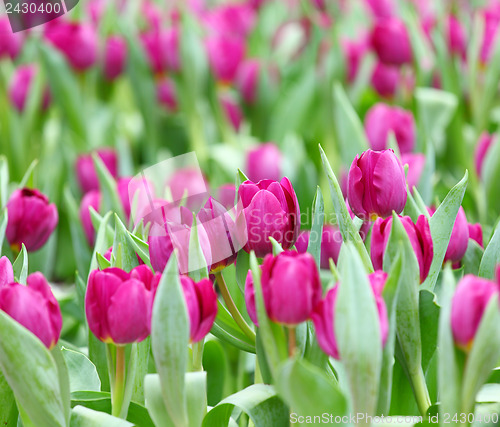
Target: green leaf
110,197
491,175
63,376
472,258
357,329
350,131
141,248
215,364
4,181
198,268
85,417
240,178
141,369
429,322
103,262
27,180
125,256
102,241
8,408
242,268
20,265
154,401
83,374
196,397
346,226
3,226
491,256
258,401
441,225
318,217
31,373
308,390
277,248
170,349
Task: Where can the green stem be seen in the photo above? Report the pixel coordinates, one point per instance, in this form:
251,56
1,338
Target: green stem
292,341
118,389
198,356
420,391
231,306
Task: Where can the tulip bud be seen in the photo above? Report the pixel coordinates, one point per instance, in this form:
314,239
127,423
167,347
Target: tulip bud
225,55
232,112
416,164
323,315
166,93
484,144
459,237
382,119
115,57
118,305
248,80
476,233
420,239
201,302
6,271
331,241
31,219
469,302
376,184
90,199
385,79
391,42
85,170
290,286
264,162
456,37
77,42
20,86
34,307
354,51
268,209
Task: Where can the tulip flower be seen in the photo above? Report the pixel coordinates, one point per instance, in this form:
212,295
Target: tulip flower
231,20
201,302
268,209
420,239
171,50
483,146
264,162
190,184
469,302
10,43
90,199
77,42
136,192
381,8
459,237
416,164
391,41
118,305
290,286
31,219
166,93
456,37
385,79
247,80
491,25
476,233
85,170
6,271
331,241
20,87
376,184
115,57
382,119
323,315
232,111
227,196
33,306
354,51
225,55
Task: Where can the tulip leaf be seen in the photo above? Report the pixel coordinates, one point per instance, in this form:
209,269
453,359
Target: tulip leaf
277,248
441,225
141,248
83,374
154,401
491,174
170,349
103,262
31,373
259,401
346,226
357,329
102,240
351,135
125,256
3,226
242,269
472,258
491,256
196,397
240,179
483,356
110,196
85,417
308,390
4,181
318,217
196,260
215,363
8,408
64,381
142,358
20,266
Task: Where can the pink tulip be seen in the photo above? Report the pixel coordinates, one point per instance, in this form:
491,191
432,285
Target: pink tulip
231,20
484,144
391,41
225,55
232,111
115,57
90,199
471,298
456,37
354,51
6,272
166,93
85,170
10,43
491,25
227,195
416,164
34,307
385,79
264,162
381,8
476,233
20,87
376,184
247,80
331,241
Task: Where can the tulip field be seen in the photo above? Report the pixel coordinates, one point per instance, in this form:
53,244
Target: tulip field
249,213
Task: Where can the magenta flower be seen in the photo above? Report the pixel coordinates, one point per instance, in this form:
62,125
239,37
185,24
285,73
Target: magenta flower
227,196
391,41
331,241
225,55
232,111
90,199
264,162
10,43
382,119
376,184
381,8
268,209
456,37
385,79
31,219
191,184
118,304
115,57
290,286
33,306
166,93
471,298
476,233
231,20
85,170
491,25
20,86
247,80
483,146
420,239
354,51
416,164
201,302
6,272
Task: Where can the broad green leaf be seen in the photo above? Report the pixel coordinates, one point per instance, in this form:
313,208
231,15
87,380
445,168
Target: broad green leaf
154,401
346,226
240,179
215,363
259,401
31,373
472,258
141,369
63,377
357,329
196,397
318,217
491,256
441,225
170,349
8,408
82,372
4,181
85,417
20,266
122,249
429,322
242,268
308,391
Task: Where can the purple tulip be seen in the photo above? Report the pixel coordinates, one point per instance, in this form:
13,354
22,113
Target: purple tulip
264,162
469,302
331,241
268,209
385,79
34,307
20,86
201,302
77,42
376,184
290,286
85,170
31,219
484,144
382,119
227,196
420,239
416,164
10,43
391,42
323,315
6,271
166,93
476,233
225,55
90,199
247,80
118,304
459,237
115,57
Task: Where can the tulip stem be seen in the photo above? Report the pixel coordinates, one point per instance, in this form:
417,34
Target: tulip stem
198,356
231,306
119,385
421,392
292,341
